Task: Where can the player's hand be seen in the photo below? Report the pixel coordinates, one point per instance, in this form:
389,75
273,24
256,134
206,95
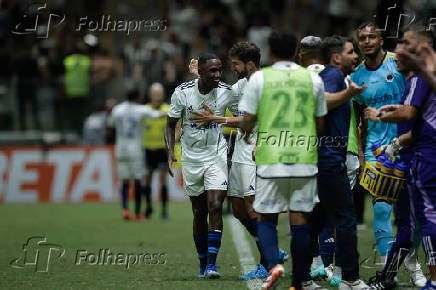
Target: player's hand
353,89
203,118
389,151
388,108
371,114
247,138
171,159
193,67
253,153
426,52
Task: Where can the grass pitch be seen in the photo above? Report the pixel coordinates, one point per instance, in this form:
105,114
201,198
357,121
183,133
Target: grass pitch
96,228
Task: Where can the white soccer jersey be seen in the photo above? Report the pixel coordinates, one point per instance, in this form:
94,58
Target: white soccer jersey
128,118
242,151
202,145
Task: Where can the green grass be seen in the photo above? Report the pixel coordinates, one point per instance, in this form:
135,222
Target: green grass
94,226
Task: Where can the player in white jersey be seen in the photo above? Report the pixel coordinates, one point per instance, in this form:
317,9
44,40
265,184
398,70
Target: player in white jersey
127,118
245,59
204,155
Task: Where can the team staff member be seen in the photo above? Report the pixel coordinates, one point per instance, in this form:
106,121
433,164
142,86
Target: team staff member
284,97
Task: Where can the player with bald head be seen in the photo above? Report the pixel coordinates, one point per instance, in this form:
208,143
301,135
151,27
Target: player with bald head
154,146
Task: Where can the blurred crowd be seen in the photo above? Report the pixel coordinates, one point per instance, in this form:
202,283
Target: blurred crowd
53,83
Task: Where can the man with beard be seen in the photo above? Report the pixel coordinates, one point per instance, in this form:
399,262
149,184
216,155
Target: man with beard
334,191
413,96
385,87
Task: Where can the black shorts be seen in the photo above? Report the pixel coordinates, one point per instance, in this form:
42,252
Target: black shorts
156,159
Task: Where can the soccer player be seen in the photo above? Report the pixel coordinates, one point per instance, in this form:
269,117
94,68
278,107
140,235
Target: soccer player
204,155
154,145
287,101
414,95
334,190
385,86
127,119
245,59
421,183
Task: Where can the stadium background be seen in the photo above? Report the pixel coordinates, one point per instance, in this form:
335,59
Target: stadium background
44,157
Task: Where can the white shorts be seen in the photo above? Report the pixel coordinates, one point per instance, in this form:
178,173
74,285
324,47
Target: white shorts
242,180
275,195
130,168
199,178
352,164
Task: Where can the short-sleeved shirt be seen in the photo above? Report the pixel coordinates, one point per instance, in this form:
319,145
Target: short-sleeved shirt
250,103
242,151
333,139
128,118
385,85
206,144
414,95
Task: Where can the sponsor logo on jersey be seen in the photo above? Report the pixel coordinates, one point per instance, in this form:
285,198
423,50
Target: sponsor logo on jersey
389,77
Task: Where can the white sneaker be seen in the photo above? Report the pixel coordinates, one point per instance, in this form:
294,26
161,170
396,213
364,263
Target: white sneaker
413,267
310,285
329,272
356,285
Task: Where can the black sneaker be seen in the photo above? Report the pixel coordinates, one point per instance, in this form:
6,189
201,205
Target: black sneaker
148,212
378,282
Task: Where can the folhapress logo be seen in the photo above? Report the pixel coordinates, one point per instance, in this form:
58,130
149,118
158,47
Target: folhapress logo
37,253
38,20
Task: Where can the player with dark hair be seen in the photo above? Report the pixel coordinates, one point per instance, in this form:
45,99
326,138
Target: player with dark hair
406,243
243,172
284,98
336,206
385,86
127,119
204,155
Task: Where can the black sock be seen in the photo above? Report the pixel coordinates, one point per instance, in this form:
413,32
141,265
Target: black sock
137,197
147,192
124,194
164,197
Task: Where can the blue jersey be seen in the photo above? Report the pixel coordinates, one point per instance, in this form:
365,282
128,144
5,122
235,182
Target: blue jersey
385,87
334,138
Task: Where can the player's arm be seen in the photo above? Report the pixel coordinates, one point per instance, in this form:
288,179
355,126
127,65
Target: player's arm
170,140
207,117
336,99
391,113
177,106
406,138
423,63
247,125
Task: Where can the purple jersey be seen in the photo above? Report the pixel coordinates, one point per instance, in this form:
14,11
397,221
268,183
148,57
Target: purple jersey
424,129
414,94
